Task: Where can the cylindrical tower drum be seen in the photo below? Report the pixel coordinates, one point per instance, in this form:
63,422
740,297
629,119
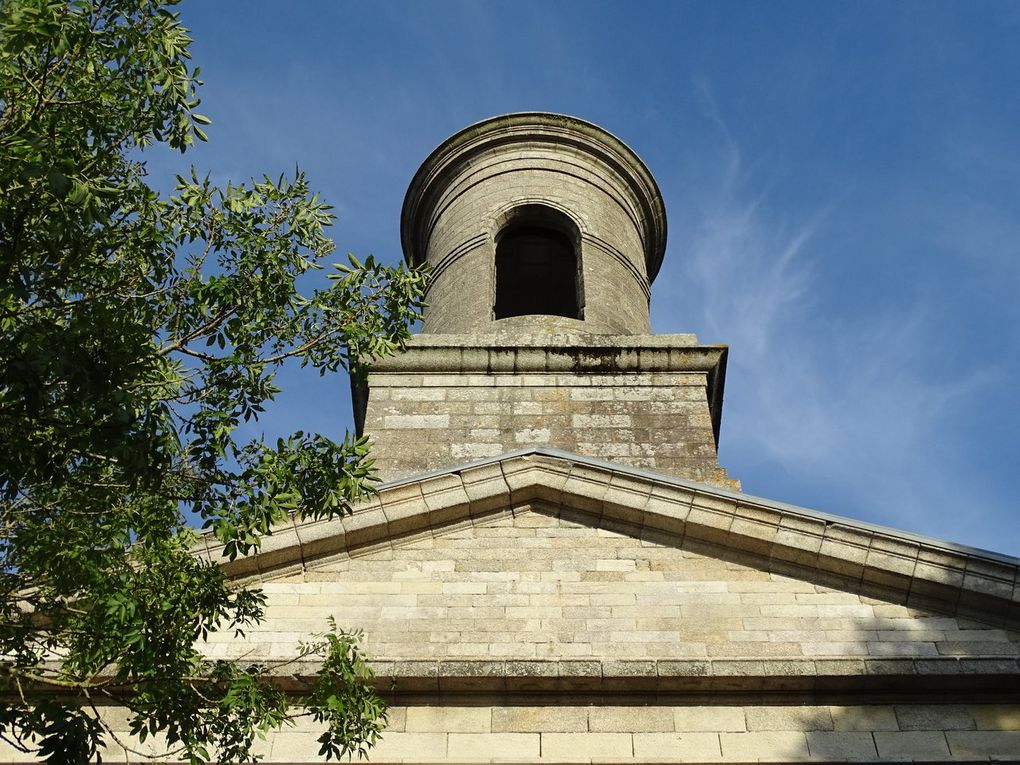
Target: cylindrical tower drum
535,221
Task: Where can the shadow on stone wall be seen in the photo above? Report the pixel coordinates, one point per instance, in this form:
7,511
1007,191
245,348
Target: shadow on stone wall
942,689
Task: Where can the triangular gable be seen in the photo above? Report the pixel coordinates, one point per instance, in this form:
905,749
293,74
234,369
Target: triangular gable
894,566
546,597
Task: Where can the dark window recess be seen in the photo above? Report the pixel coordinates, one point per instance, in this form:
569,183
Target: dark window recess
536,273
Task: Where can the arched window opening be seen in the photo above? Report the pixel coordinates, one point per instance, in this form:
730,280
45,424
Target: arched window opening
536,270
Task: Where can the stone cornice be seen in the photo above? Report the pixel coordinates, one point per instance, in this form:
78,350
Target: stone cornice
536,354
892,565
979,678
839,677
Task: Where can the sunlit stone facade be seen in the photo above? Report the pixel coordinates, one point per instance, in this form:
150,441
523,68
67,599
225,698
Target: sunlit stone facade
559,571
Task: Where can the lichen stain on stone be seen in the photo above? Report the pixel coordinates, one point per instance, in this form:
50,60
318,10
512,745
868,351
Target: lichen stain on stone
587,360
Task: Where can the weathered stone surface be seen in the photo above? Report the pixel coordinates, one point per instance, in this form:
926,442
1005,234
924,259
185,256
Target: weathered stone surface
863,718
709,718
841,746
912,745
574,747
996,717
1000,745
677,747
775,745
927,717
644,403
651,719
450,719
400,747
532,719
789,718
491,746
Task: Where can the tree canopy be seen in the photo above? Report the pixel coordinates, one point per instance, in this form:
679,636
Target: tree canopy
138,332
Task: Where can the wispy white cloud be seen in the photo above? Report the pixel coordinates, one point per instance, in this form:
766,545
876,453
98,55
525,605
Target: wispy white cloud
842,404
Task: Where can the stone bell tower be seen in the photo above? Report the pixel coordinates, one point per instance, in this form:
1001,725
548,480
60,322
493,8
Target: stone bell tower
545,233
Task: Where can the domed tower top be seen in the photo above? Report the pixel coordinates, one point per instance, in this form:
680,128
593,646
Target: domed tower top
535,221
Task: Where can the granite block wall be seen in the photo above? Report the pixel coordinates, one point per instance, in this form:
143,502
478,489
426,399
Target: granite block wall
548,585
659,421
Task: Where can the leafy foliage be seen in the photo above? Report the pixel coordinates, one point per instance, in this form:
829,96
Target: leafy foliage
137,333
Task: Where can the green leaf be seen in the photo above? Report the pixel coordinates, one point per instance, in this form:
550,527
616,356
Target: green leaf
59,183
157,325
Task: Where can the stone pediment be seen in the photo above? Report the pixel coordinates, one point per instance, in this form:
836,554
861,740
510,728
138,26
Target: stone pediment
544,571
853,556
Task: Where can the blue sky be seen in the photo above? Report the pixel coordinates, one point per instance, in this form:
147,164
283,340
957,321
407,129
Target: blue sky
842,182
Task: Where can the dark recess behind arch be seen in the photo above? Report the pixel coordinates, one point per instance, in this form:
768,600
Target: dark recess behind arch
537,269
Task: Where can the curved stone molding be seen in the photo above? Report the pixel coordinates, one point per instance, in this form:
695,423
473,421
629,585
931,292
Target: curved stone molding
453,256
476,178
